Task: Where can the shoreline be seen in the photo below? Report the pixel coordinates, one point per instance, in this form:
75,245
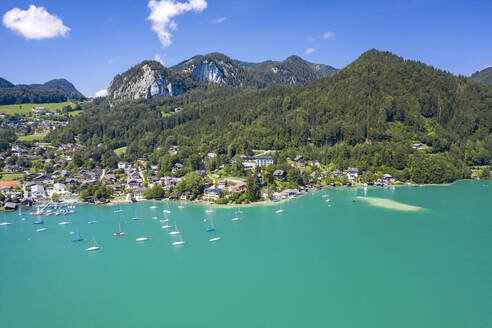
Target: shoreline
267,202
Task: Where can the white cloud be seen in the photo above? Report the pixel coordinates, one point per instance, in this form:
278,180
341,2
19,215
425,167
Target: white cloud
163,11
110,61
101,93
328,35
158,58
218,20
309,51
34,23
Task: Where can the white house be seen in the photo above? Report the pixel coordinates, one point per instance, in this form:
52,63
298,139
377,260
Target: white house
59,188
124,165
250,162
212,193
38,191
352,173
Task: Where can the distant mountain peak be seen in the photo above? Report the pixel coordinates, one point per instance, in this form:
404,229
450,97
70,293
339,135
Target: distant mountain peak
484,76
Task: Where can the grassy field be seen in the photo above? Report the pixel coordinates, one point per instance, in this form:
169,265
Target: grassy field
27,108
120,151
11,176
32,137
75,112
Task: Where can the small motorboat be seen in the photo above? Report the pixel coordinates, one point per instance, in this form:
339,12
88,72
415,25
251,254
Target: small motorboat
214,239
181,206
38,222
41,229
92,222
163,220
142,239
174,232
176,243
167,211
279,211
235,219
166,226
65,223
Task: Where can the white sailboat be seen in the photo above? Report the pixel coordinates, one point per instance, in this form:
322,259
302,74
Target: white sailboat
119,210
167,211
5,222
95,247
166,226
176,231
65,223
236,218
212,229
179,242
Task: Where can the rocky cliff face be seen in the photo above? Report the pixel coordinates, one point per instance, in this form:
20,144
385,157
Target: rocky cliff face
214,68
147,80
151,79
208,72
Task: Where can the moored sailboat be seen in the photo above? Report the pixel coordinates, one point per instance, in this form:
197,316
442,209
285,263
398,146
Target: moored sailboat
95,246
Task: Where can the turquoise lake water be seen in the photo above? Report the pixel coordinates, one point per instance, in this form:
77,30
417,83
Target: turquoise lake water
351,264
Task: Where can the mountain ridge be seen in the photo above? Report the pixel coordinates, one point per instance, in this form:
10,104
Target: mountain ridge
215,68
367,116
484,76
53,90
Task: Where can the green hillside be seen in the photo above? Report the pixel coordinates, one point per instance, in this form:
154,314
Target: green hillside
366,116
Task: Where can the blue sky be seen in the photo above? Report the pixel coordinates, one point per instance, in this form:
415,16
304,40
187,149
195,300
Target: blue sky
91,41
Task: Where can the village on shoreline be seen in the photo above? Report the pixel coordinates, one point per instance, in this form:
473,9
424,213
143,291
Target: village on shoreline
53,177
35,172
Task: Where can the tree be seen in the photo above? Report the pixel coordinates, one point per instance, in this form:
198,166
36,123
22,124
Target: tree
155,192
485,173
55,197
252,186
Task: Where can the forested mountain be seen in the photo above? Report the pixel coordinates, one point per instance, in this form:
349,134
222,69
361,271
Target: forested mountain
62,85
57,90
16,95
484,76
367,115
151,79
290,71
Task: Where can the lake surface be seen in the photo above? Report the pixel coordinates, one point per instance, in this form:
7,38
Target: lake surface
317,264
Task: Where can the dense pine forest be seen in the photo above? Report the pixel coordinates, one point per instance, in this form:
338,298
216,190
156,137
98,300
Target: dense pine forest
367,115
